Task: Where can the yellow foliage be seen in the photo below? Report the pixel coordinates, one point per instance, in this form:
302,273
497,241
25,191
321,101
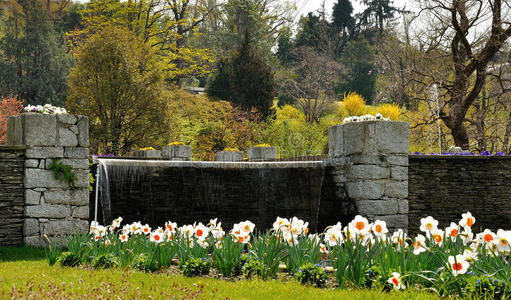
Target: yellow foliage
147,148
288,112
175,144
392,111
262,145
231,149
354,104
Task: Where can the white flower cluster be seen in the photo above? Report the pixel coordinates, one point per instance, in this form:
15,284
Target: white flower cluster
359,230
368,117
455,149
46,109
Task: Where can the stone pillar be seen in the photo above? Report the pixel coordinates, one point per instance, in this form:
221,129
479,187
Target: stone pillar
371,168
262,153
52,206
177,152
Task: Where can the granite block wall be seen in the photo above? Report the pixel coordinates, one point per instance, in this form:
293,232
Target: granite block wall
370,161
52,207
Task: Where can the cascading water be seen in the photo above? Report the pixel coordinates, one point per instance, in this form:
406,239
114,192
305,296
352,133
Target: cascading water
187,191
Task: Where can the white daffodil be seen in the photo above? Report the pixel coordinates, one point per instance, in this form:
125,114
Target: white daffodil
502,240
395,280
170,226
486,238
359,225
146,229
467,220
438,236
428,224
419,245
281,225
187,230
201,231
399,237
458,265
247,227
124,237
452,231
333,237
156,237
379,229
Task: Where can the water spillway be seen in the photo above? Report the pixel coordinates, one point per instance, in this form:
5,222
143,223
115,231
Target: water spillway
156,191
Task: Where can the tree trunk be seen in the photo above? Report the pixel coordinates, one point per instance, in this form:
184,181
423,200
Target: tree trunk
460,136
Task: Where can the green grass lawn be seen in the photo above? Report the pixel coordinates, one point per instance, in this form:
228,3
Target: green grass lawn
24,273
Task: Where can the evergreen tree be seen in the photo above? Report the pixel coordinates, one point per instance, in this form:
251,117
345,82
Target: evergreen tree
377,13
245,80
219,87
35,63
358,56
343,21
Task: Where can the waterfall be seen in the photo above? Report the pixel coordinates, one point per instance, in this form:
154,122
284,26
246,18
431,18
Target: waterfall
155,191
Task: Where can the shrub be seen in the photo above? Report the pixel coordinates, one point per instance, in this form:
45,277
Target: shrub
392,111
106,260
354,104
68,259
9,106
196,267
253,266
311,274
141,262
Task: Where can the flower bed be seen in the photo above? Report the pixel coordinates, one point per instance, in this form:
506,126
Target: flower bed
449,261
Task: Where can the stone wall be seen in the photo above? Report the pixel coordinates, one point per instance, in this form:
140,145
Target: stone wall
11,195
370,161
52,207
447,186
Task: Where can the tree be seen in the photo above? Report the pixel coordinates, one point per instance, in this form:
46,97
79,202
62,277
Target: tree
313,88
245,80
35,63
358,56
252,80
118,82
377,12
163,25
471,33
343,21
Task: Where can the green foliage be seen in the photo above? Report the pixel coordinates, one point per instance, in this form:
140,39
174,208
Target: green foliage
91,179
106,260
209,126
196,267
52,252
358,56
292,135
254,267
228,257
118,82
34,63
302,251
245,80
269,251
343,21
487,287
68,259
141,262
63,172
311,274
